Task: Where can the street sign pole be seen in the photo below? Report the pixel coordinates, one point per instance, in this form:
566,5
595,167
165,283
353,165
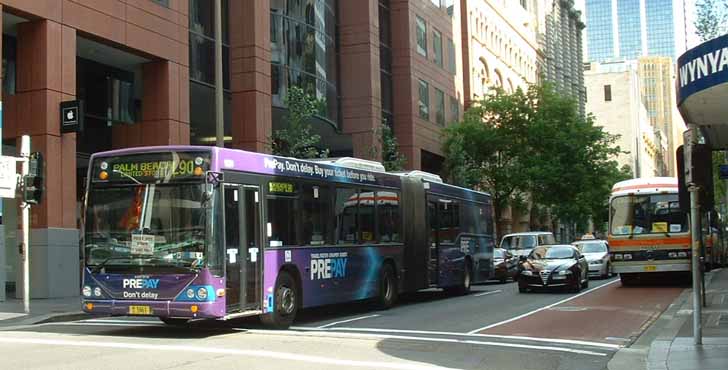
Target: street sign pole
25,154
690,138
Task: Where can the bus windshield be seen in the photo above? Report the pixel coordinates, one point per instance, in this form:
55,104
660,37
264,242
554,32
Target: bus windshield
647,214
151,225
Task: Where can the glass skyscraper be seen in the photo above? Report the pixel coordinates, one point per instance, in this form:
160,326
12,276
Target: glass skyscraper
628,29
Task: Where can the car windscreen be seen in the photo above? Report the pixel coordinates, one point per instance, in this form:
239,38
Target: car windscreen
518,242
548,253
592,247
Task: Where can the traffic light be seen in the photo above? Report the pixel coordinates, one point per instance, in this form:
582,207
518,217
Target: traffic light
33,181
702,176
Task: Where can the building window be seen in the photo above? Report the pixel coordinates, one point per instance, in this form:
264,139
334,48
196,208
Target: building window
424,102
439,107
437,46
421,36
164,3
9,51
607,92
454,109
436,3
450,6
451,62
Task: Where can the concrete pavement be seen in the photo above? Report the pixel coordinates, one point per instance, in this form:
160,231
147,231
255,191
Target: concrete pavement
41,310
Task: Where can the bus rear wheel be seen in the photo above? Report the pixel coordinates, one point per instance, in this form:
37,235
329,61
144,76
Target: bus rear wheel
387,288
285,303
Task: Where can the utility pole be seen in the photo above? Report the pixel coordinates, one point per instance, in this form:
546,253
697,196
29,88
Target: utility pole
691,139
219,119
25,249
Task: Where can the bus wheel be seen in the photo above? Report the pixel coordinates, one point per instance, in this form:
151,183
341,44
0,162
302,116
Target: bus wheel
627,279
173,321
387,287
285,303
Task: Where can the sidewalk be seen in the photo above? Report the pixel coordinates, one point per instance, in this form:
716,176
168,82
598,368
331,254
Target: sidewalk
673,349
41,310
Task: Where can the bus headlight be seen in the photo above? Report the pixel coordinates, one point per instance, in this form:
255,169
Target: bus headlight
682,254
190,293
627,256
202,293
86,291
617,257
672,255
97,292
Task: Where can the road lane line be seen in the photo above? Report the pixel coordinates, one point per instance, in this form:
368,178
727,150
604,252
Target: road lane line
227,351
541,309
488,293
337,333
345,321
449,333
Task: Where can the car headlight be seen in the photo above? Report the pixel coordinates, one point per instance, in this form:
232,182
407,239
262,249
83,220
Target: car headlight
202,293
87,291
527,272
97,292
565,272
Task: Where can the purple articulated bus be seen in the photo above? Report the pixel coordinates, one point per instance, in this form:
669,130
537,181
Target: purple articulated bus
186,233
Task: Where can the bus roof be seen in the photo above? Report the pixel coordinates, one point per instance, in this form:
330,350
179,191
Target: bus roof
649,185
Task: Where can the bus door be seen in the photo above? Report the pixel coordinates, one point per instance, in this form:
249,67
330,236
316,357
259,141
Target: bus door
433,262
242,246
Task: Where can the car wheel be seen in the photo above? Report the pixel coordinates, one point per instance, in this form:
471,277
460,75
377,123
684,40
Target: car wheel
285,303
387,288
586,283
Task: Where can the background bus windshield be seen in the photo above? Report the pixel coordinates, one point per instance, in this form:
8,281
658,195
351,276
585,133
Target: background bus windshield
150,225
647,214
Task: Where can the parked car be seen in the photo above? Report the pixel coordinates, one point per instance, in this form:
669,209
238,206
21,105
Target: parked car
505,265
521,244
597,255
560,265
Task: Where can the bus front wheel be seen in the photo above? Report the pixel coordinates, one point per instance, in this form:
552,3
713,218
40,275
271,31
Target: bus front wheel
387,287
285,303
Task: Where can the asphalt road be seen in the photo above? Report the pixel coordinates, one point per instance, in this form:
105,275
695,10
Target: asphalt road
494,327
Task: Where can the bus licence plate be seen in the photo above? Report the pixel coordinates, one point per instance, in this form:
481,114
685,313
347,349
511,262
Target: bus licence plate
140,310
651,268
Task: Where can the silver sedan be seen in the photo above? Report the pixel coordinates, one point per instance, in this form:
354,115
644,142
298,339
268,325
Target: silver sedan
597,255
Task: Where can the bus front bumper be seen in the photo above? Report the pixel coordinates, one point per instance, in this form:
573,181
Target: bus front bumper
191,310
647,267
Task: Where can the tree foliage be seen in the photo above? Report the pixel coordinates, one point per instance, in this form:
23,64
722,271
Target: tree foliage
711,18
534,144
391,157
297,140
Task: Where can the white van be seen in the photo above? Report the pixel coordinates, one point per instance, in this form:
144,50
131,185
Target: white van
521,244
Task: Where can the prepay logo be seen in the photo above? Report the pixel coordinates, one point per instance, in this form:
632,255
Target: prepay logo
141,283
328,265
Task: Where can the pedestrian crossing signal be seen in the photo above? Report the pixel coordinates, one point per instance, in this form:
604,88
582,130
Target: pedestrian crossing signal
33,181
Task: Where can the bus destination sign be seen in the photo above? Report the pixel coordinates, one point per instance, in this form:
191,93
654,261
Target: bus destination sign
152,167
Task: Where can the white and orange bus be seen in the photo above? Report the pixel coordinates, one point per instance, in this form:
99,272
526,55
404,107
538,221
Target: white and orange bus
648,233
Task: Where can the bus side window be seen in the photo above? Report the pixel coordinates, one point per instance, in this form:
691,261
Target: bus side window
283,225
315,207
345,210
388,218
366,213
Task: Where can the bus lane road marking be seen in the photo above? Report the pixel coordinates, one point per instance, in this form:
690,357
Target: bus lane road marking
345,321
542,308
227,351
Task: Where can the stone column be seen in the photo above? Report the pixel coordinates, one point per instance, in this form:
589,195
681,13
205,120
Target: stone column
46,76
361,105
250,74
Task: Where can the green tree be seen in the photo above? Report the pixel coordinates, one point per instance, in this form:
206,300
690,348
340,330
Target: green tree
391,158
297,140
487,149
711,18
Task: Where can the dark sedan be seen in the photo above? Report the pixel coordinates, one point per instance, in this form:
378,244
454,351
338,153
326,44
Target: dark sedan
505,264
554,266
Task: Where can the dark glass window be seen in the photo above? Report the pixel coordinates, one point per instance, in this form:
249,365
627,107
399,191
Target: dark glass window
439,107
9,51
366,212
282,229
451,59
424,101
454,109
607,92
162,2
449,220
346,202
315,204
202,42
421,36
388,219
437,46
232,218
